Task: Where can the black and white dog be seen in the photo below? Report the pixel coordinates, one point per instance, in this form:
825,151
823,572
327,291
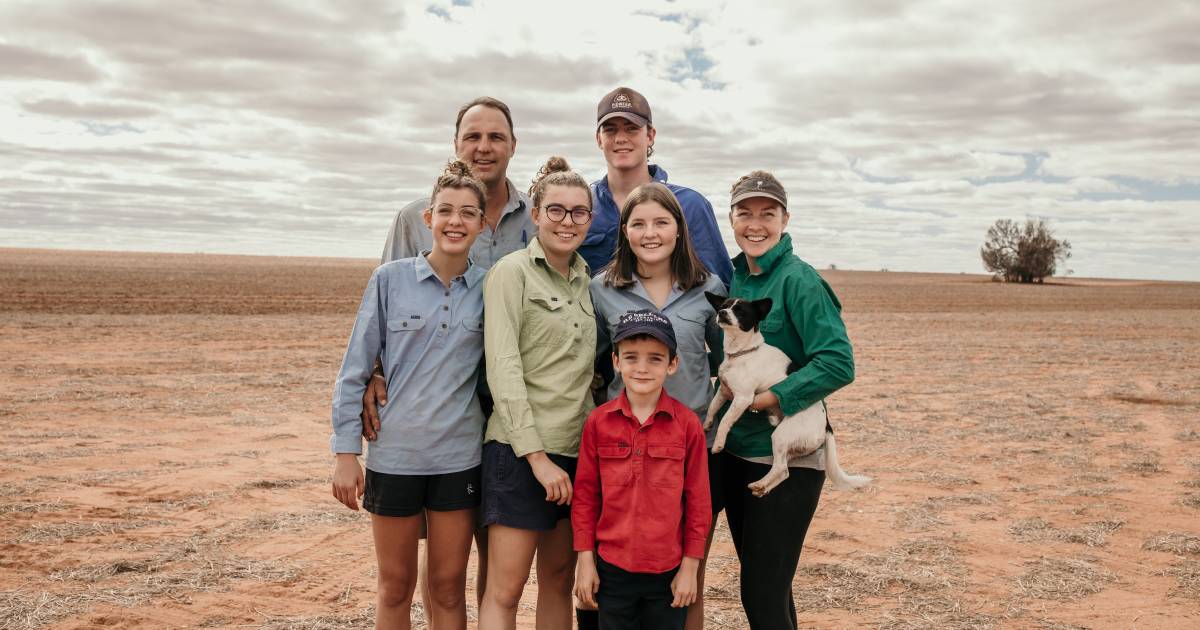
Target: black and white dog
751,366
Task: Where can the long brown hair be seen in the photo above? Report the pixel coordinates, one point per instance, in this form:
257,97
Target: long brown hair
686,267
457,174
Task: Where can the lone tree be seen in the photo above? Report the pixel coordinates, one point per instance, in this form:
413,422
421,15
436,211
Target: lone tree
1023,253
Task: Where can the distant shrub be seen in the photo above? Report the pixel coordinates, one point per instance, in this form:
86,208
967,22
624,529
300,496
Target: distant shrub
1023,253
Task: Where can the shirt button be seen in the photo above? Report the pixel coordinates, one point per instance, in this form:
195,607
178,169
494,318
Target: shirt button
577,325
443,325
447,294
639,452
568,301
445,308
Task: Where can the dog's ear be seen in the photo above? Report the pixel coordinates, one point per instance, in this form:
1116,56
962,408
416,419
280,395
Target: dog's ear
715,300
763,308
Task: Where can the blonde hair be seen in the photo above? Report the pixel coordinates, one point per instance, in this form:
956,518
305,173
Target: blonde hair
458,175
556,172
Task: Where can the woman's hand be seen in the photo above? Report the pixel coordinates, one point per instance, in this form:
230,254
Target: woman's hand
375,395
763,401
348,483
555,480
683,587
587,581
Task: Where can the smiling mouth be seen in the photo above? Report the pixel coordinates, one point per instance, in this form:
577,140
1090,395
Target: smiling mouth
455,234
757,238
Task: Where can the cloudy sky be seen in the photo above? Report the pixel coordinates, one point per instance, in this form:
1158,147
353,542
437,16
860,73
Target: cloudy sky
902,129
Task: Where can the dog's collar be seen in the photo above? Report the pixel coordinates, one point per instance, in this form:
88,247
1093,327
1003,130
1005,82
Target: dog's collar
734,355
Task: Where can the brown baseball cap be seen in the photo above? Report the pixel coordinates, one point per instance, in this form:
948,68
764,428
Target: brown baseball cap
626,103
768,187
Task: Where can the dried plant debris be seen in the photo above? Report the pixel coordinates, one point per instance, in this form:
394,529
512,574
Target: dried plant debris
1187,579
1144,464
920,566
361,619
1189,435
275,484
1063,579
1037,529
1190,499
1173,542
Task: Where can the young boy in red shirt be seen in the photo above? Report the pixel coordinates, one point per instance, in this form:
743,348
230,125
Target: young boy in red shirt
641,508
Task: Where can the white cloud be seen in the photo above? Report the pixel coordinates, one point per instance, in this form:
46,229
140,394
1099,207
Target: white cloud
902,129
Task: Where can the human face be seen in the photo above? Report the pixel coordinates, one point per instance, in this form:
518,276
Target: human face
624,143
485,142
561,238
644,364
455,219
652,233
758,224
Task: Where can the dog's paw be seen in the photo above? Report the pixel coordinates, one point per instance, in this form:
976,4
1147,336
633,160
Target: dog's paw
758,489
707,424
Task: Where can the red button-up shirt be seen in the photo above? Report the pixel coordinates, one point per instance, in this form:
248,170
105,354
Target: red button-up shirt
641,490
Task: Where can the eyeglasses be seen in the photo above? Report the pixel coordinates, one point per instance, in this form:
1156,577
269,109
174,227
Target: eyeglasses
466,213
557,212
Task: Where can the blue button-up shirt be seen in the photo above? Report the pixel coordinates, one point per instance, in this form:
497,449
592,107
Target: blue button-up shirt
601,240
695,324
429,339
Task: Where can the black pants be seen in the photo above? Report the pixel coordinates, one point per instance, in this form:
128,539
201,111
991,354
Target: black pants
768,534
636,601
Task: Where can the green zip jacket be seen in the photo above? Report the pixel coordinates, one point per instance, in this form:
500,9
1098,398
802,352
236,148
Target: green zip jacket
806,323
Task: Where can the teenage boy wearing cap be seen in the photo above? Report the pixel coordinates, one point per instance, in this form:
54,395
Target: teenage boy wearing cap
625,134
641,509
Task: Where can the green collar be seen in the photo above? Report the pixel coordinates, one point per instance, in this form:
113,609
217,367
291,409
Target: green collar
578,265
768,261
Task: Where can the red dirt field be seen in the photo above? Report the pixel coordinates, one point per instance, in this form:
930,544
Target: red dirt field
164,423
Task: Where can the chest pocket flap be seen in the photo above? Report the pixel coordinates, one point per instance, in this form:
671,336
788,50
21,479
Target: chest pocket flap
546,301
406,320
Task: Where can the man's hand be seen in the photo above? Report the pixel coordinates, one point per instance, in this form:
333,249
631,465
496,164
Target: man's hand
683,587
555,480
587,581
348,482
375,395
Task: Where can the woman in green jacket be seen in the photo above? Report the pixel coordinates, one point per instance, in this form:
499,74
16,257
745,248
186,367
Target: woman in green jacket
806,323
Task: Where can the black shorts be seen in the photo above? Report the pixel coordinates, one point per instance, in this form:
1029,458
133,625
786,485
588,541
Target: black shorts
513,497
407,495
715,490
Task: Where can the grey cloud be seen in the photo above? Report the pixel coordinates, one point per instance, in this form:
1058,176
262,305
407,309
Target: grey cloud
93,110
20,62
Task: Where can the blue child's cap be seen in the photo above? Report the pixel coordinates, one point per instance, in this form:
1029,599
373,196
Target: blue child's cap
646,322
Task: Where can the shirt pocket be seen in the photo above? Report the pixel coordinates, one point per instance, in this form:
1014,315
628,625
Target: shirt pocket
616,467
665,465
547,320
406,322
471,347
773,324
689,331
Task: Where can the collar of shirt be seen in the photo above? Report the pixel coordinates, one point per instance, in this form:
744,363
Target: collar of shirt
578,265
639,290
663,409
516,200
657,174
423,270
768,261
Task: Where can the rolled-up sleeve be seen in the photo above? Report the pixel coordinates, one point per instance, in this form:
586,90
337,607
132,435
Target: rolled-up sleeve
503,302
366,342
815,315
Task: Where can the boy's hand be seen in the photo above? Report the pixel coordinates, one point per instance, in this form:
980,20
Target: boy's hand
683,587
348,482
375,395
587,581
555,480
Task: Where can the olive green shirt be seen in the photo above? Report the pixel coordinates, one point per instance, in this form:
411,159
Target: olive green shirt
806,323
539,340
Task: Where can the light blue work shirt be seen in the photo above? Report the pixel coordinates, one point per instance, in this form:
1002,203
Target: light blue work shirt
409,236
695,324
429,339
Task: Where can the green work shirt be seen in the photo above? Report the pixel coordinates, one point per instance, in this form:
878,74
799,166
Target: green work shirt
539,340
806,323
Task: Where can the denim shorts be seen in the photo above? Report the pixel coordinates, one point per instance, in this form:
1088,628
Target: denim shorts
513,497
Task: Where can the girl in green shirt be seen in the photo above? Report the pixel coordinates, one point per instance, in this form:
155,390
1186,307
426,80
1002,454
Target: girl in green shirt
805,322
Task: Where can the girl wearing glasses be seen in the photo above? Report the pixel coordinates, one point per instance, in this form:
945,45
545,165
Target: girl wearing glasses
422,319
540,340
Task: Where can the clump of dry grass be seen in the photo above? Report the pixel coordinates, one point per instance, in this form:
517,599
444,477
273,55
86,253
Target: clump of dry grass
274,484
1189,435
1063,579
1187,579
1190,483
1144,464
945,479
59,532
1190,499
363,618
928,566
34,508
1173,542
287,521
1037,529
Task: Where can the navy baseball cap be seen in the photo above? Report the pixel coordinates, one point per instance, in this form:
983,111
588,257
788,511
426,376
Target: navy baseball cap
646,322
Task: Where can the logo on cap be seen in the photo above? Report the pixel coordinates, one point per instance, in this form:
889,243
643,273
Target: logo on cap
621,100
758,184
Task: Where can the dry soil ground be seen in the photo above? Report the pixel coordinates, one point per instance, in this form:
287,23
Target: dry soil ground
163,426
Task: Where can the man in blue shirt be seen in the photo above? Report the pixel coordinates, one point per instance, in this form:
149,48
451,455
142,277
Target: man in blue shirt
625,133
